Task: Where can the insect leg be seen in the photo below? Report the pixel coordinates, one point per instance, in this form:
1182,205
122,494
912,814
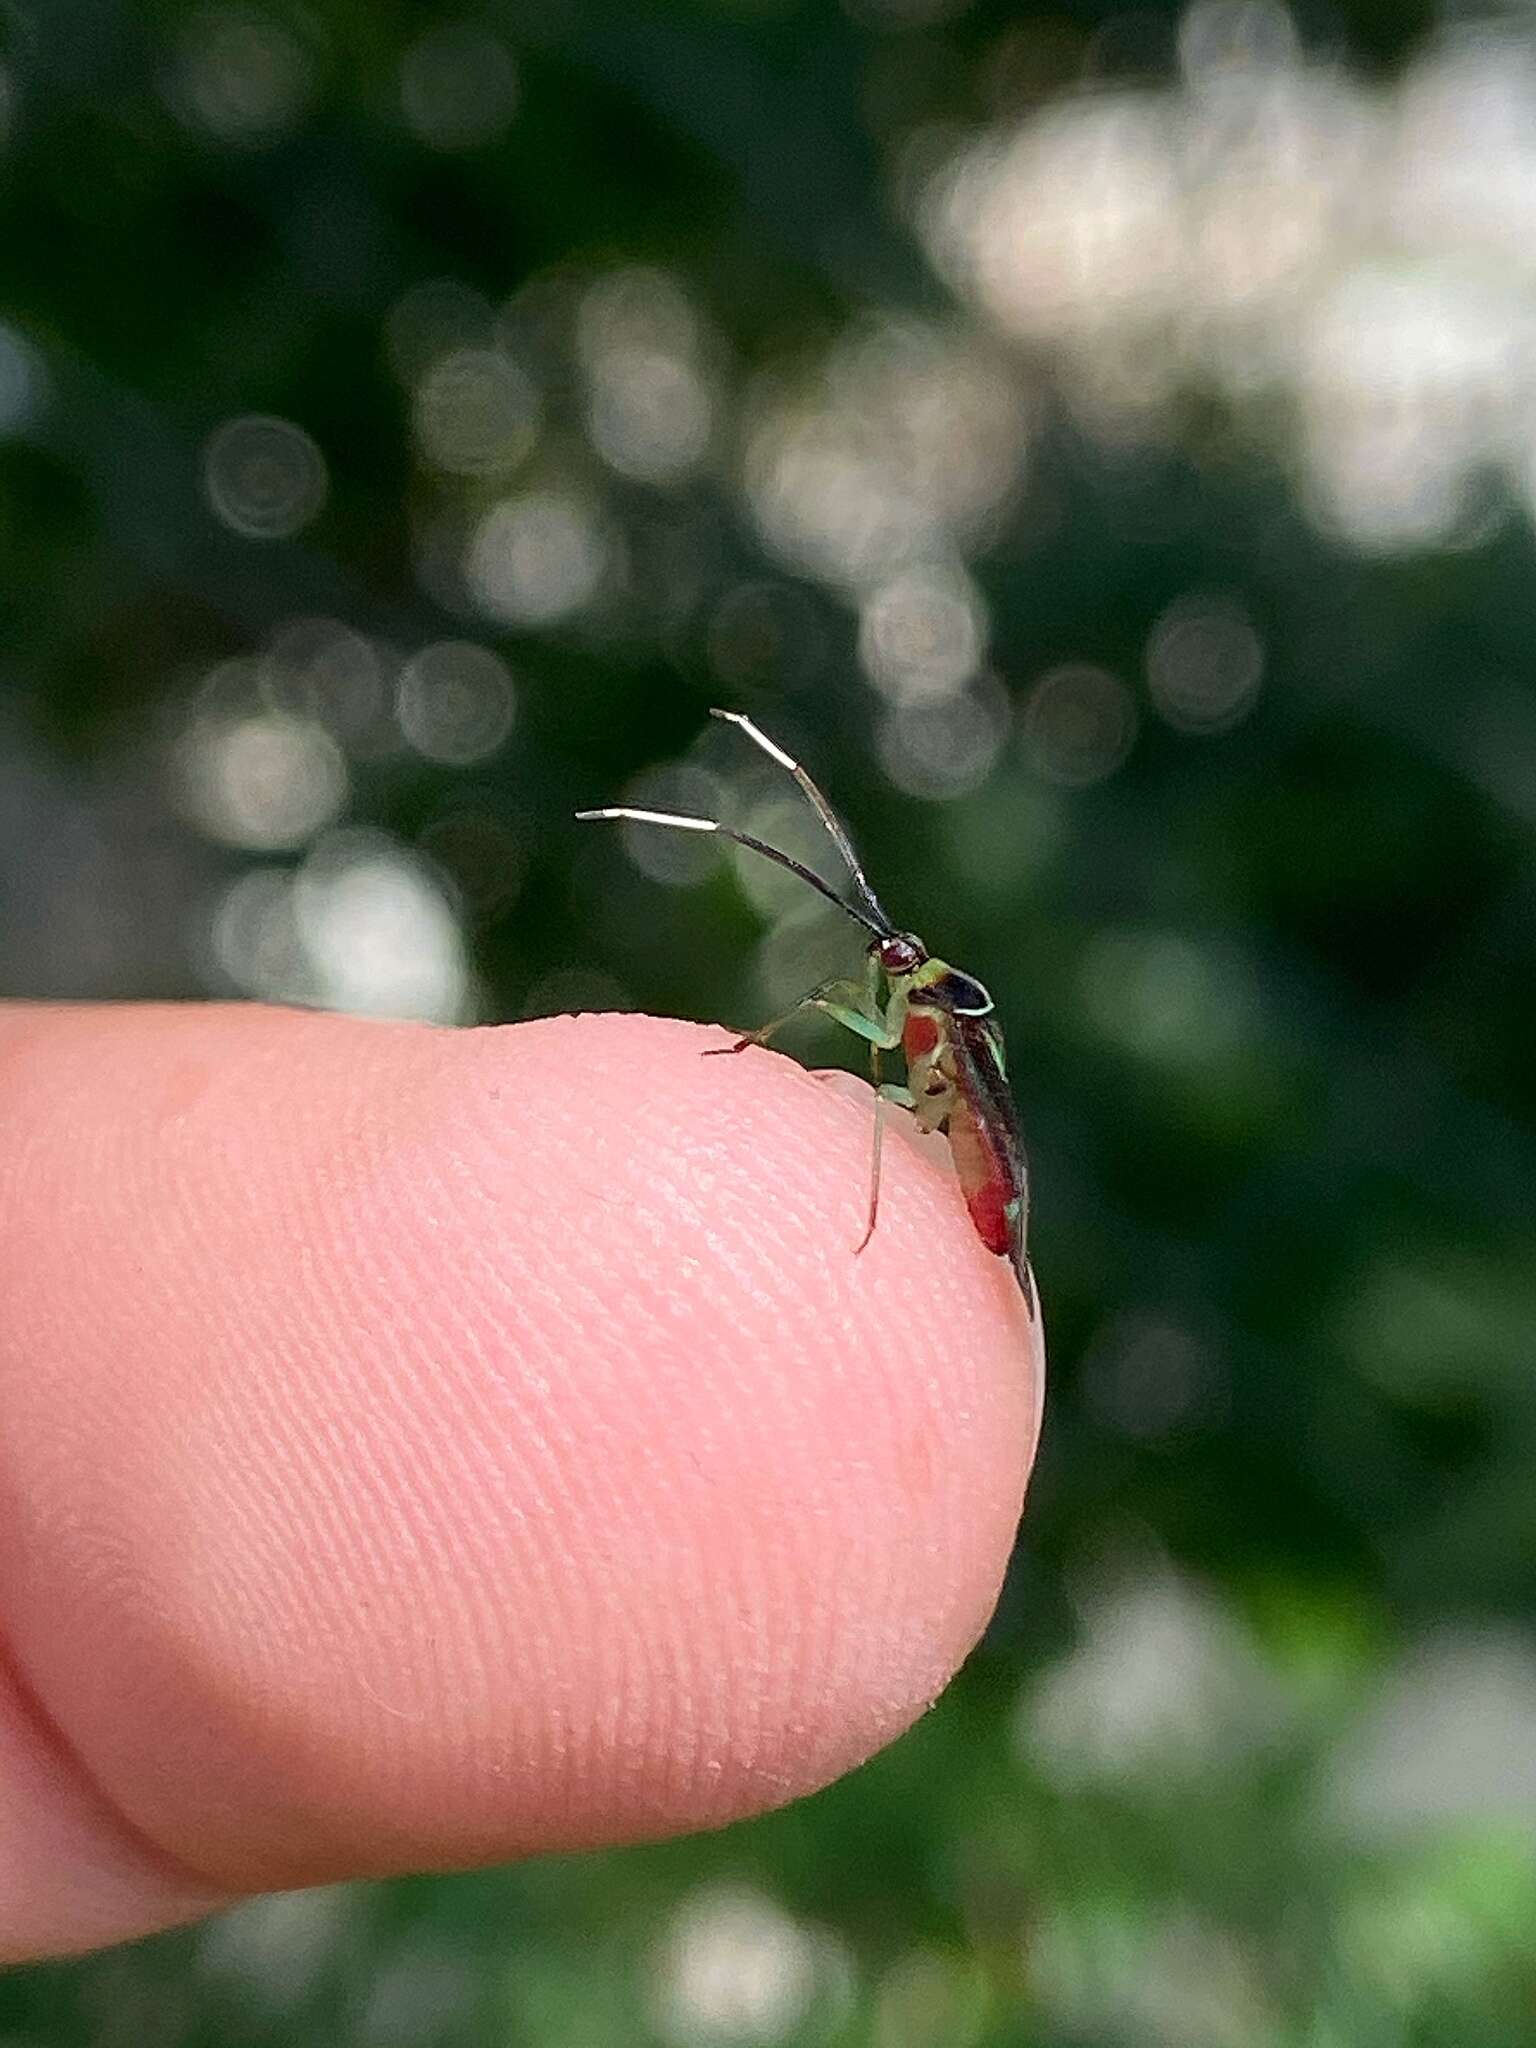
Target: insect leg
903,1098
838,998
874,1163
892,1020
875,1029
881,1025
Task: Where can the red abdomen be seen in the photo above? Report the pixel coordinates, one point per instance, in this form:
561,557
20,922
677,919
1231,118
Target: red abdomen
986,1205
985,1181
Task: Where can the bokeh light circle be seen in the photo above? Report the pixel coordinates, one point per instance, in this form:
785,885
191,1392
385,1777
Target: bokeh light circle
264,781
455,702
922,633
240,76
1079,725
475,412
1205,663
458,86
939,750
265,477
536,558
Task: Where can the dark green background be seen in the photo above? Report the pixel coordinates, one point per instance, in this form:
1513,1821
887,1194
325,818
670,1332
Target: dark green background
1313,1223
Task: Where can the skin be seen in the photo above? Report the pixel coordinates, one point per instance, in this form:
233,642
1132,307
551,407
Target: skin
428,1448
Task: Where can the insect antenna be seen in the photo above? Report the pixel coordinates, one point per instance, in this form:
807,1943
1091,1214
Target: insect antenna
876,922
836,830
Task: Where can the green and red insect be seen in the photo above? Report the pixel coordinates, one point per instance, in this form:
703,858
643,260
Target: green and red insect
941,1019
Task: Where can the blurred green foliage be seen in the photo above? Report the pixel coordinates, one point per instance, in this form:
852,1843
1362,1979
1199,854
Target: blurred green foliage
1249,1753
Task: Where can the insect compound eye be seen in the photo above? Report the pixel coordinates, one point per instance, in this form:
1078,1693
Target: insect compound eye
900,953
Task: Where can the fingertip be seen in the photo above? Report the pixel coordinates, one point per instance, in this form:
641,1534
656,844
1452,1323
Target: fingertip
462,1444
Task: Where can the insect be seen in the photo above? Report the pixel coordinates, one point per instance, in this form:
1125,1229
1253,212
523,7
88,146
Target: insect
941,1019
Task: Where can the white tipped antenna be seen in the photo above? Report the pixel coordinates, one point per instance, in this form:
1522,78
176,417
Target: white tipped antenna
836,830
653,818
675,821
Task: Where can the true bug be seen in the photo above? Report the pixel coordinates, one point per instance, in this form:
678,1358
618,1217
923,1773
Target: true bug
940,1018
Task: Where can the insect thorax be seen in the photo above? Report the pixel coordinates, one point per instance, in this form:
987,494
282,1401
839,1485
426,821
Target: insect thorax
943,987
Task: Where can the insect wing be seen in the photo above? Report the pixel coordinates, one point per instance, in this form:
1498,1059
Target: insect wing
988,1146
